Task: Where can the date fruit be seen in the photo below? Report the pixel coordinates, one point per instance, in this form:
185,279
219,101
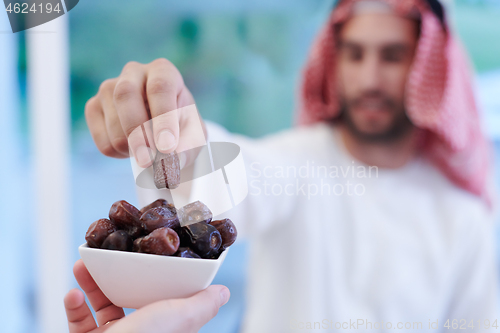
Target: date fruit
126,217
193,213
118,240
202,238
186,252
227,232
156,203
166,170
172,209
98,231
159,203
158,229
163,241
137,244
159,217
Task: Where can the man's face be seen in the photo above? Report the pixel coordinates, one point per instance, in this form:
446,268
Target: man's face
375,55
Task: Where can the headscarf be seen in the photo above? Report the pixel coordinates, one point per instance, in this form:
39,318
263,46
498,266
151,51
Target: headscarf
439,96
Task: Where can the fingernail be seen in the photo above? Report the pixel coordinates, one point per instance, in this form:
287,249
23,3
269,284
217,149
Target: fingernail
224,296
166,140
142,156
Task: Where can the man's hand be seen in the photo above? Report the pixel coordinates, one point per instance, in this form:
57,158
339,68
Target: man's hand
169,316
119,115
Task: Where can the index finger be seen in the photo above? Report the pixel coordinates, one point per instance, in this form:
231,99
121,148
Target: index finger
104,309
80,319
130,104
205,305
185,315
164,85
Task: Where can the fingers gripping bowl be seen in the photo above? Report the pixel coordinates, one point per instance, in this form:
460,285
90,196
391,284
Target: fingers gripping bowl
137,257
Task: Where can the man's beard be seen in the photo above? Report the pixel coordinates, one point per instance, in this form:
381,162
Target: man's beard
399,127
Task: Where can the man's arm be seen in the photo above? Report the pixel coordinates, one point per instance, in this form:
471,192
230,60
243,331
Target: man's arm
155,94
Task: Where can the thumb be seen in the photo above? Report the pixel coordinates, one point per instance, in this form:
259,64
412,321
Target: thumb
205,305
184,315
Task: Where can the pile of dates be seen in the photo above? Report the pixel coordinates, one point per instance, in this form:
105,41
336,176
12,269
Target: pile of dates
156,229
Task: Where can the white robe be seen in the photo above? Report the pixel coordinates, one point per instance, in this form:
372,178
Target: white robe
398,248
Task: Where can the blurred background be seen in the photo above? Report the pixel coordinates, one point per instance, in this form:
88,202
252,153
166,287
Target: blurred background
240,59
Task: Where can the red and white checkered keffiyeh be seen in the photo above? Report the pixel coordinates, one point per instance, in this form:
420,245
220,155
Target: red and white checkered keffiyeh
439,96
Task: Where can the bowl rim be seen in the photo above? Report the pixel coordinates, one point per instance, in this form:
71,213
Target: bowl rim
88,248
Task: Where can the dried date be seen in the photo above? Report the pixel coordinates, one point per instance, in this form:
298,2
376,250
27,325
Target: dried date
118,240
166,170
202,238
98,231
126,217
162,241
159,217
227,231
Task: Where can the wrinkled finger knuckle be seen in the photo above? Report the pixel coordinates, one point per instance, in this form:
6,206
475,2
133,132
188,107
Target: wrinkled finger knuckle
160,86
107,87
168,66
90,108
131,66
162,62
134,133
120,144
107,150
124,91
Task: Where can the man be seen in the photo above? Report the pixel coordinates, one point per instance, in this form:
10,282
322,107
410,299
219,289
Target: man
375,213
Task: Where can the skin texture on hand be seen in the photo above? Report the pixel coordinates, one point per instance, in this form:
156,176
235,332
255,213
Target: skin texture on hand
168,316
144,110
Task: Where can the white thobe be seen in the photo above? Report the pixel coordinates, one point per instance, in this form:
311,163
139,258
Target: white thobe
338,245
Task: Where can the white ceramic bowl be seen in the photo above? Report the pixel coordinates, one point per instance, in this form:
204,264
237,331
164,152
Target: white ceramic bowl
133,280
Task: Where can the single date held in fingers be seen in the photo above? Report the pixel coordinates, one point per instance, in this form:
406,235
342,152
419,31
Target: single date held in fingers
167,170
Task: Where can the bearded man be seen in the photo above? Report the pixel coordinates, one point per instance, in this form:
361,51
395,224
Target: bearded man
410,242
